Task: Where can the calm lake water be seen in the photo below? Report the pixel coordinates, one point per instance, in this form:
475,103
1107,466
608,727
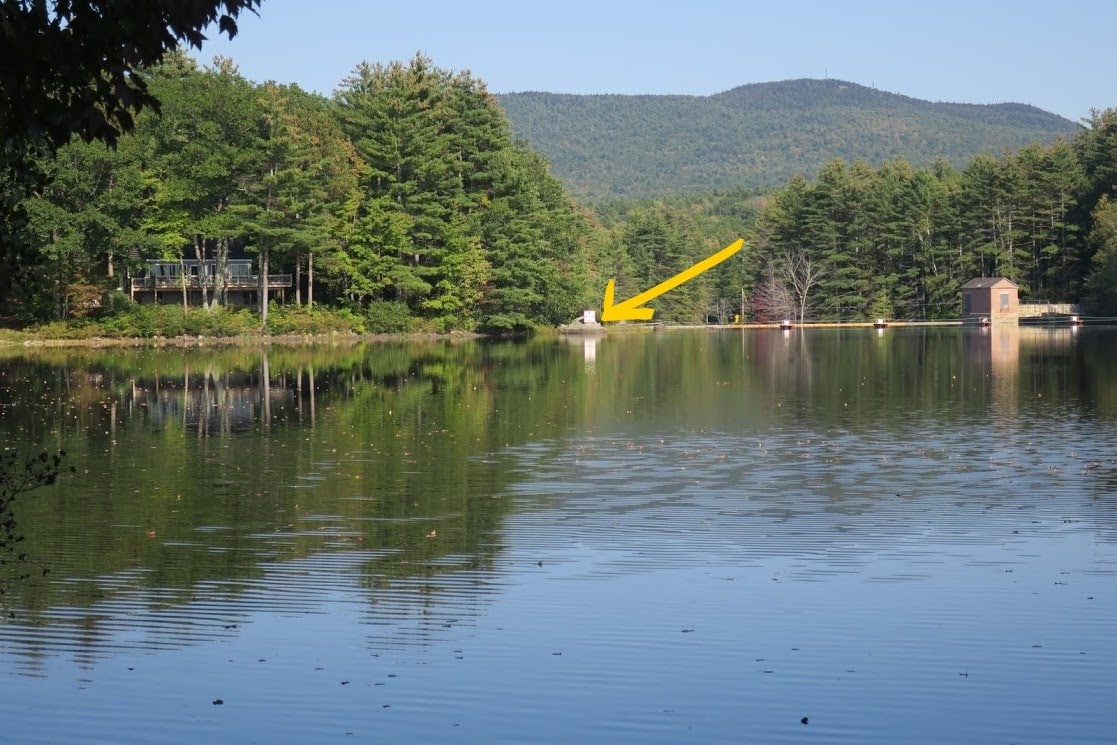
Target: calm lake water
906,536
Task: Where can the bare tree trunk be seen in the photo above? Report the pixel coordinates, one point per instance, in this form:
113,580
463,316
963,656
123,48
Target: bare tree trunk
771,298
182,281
221,273
310,280
200,255
58,301
802,273
264,253
263,286
298,280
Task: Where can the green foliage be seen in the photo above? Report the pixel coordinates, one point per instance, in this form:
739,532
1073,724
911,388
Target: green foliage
406,189
386,317
133,320
897,241
11,336
75,70
404,204
299,195
881,306
466,228
124,319
203,160
73,329
660,242
86,80
303,321
221,322
759,136
84,221
1101,290
1096,150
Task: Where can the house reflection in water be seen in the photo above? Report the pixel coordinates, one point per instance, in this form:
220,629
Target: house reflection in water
1001,352
213,402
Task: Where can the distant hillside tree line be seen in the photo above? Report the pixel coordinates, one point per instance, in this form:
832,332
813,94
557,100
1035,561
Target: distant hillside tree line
757,136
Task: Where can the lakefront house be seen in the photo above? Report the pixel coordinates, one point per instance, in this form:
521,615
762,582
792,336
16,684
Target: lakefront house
164,282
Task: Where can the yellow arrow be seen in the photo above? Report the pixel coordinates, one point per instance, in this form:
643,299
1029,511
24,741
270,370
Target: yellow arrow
630,310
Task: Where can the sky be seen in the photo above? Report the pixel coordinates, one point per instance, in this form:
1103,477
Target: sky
1057,56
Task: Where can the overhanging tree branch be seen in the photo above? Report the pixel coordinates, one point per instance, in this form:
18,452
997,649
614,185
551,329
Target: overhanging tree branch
74,66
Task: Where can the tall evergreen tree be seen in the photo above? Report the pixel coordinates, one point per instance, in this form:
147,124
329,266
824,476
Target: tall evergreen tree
990,211
1101,288
458,222
1049,180
663,241
204,149
82,223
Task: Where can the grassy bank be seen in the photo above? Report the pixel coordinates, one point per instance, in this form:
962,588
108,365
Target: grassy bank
170,324
132,320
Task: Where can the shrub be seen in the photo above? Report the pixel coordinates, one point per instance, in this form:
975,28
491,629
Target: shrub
219,322
291,319
117,302
387,317
882,305
509,324
124,319
76,329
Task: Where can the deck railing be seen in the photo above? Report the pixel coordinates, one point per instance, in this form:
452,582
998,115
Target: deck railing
243,282
1044,308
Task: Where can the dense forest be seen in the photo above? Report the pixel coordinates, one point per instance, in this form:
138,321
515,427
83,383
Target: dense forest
757,136
898,242
403,198
405,203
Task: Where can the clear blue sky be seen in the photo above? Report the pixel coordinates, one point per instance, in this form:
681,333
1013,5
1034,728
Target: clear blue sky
1057,56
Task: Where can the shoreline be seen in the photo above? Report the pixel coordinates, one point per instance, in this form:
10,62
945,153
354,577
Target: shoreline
17,339
194,342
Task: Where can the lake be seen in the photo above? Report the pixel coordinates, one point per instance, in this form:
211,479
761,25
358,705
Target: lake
832,536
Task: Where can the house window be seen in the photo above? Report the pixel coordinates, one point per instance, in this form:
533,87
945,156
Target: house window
1004,301
967,302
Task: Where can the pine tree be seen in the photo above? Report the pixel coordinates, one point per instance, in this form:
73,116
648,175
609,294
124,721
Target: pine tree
202,152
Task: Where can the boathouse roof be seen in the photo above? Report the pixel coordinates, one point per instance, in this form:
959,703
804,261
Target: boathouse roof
989,282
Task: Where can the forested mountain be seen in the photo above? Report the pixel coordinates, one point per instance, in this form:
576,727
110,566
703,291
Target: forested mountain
757,136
